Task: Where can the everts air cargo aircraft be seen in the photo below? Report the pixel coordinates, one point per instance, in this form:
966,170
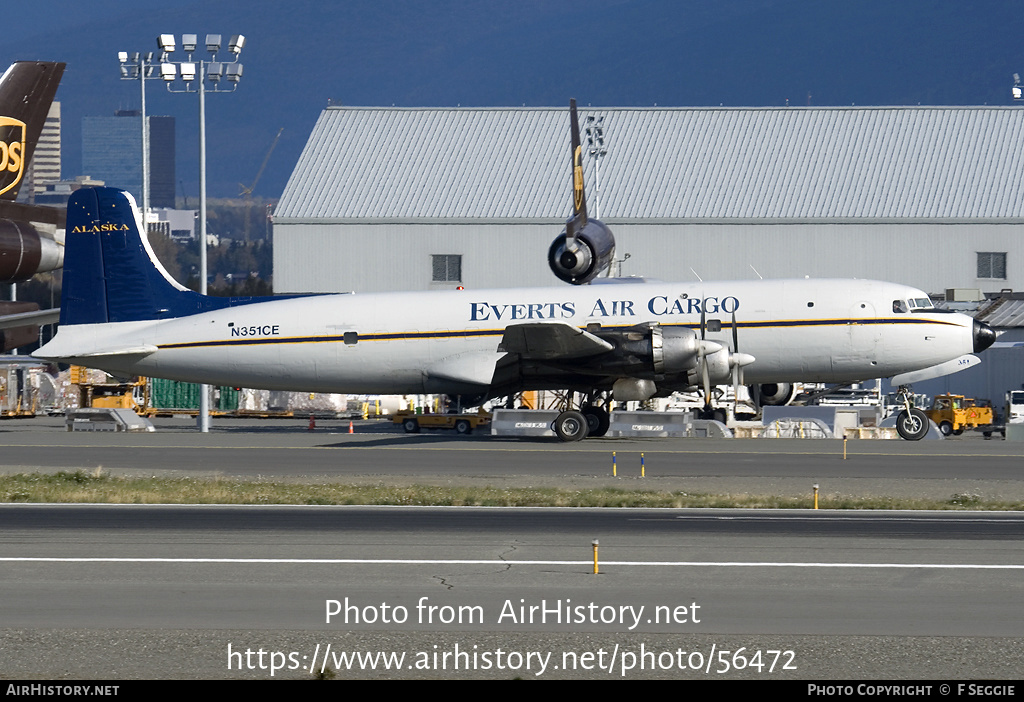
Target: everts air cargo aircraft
27,244
123,313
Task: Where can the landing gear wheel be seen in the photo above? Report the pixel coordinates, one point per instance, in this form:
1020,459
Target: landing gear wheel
912,425
463,427
598,420
411,426
571,426
946,428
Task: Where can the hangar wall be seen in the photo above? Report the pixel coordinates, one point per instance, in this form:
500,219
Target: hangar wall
367,257
380,196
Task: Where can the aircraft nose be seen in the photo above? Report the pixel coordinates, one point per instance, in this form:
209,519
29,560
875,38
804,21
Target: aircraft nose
984,336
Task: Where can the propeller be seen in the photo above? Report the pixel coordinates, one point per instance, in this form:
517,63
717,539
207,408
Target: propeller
703,361
738,361
737,369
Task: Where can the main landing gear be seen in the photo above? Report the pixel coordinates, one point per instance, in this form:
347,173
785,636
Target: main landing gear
911,423
589,420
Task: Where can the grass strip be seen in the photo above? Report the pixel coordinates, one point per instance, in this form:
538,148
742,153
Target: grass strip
100,487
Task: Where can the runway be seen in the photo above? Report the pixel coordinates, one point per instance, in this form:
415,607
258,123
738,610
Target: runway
379,452
668,578
185,591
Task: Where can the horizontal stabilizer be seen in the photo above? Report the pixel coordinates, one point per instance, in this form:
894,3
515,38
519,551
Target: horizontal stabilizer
24,319
551,340
49,352
948,368
141,350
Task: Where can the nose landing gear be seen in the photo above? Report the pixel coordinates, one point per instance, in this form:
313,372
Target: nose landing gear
911,423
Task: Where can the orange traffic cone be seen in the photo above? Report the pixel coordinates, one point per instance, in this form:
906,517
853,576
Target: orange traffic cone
351,429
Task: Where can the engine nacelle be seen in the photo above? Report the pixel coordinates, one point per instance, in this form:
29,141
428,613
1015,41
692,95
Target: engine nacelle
592,253
674,349
23,252
773,393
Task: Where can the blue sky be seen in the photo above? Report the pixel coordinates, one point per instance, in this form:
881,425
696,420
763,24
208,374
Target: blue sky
303,53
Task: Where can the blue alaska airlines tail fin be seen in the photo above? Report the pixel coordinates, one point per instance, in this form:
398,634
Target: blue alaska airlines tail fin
110,272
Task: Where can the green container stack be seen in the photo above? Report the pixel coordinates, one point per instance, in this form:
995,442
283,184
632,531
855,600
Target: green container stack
178,395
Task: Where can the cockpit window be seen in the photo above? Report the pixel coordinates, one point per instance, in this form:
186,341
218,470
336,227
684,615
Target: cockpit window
922,304
899,306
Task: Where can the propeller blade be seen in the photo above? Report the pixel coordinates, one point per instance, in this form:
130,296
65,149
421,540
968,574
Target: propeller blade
736,368
702,358
735,387
707,385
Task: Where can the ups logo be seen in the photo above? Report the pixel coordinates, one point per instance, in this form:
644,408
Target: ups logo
12,153
577,178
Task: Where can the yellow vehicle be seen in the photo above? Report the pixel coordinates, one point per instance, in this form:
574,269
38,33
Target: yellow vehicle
461,423
954,413
96,389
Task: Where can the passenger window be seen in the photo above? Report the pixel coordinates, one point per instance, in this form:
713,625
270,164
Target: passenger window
351,338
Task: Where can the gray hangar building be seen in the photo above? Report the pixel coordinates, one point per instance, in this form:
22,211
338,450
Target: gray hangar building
432,198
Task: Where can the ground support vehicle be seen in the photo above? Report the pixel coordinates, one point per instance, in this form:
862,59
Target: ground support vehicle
461,423
954,413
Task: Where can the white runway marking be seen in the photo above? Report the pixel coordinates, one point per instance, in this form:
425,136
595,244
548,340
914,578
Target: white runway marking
443,561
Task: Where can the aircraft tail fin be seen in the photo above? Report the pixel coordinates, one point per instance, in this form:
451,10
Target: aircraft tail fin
26,90
110,272
579,195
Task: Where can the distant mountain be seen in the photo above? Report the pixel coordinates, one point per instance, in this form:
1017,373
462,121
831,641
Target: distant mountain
534,52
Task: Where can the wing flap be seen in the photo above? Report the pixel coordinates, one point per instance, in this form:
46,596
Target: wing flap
545,341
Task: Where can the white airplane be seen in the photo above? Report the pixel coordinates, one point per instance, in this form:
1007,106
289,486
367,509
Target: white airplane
121,312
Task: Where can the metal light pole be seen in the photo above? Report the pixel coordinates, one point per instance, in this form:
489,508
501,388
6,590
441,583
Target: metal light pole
195,77
140,67
596,148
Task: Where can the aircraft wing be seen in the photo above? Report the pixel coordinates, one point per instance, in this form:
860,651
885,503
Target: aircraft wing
546,341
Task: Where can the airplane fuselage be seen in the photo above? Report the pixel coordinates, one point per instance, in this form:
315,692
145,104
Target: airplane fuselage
448,341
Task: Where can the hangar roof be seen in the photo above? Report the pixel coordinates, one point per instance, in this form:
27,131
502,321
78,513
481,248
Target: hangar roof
1004,311
826,163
